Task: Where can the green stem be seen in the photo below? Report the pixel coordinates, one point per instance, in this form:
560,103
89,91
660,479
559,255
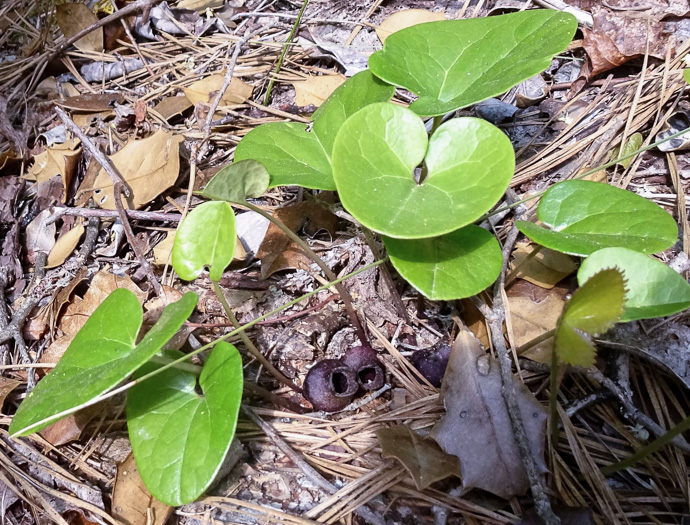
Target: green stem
344,295
284,52
649,449
248,342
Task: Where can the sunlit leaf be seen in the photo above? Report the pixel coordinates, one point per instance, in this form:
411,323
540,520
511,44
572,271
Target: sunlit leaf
237,181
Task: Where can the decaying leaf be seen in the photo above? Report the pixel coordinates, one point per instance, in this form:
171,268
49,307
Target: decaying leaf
73,18
422,457
6,386
69,428
316,89
65,245
545,268
205,89
592,310
149,166
171,106
477,428
132,502
406,18
61,159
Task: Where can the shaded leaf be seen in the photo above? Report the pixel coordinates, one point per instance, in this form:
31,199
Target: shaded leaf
149,167
476,427
69,428
592,310
422,457
132,502
452,64
586,216
545,268
631,145
295,156
83,374
180,438
469,161
206,237
453,266
237,181
654,289
75,17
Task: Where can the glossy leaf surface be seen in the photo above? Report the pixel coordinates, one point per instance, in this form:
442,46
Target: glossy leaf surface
294,155
206,237
237,181
455,63
101,355
654,289
469,162
453,266
592,310
586,216
180,437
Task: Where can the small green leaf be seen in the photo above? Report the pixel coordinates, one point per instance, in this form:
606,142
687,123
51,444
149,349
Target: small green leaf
686,75
593,309
295,156
654,289
633,143
469,163
237,181
179,437
206,237
586,216
453,266
101,355
452,64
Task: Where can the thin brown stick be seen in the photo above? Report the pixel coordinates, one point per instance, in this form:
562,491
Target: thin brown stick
119,188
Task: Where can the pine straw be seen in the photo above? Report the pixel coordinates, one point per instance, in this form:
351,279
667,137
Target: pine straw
344,446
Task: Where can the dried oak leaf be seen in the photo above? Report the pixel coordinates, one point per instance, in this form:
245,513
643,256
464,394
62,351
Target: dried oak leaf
477,428
422,457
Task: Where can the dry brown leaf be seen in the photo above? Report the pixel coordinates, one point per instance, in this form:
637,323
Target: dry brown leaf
534,311
65,245
406,18
61,159
92,102
6,386
69,428
149,166
545,268
171,106
315,90
205,89
73,18
477,428
132,502
199,5
422,457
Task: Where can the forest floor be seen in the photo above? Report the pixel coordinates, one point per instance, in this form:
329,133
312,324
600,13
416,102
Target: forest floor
64,250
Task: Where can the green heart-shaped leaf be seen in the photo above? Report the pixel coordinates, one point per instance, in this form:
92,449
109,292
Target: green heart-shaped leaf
237,181
654,289
469,161
453,266
102,354
452,64
295,156
593,309
206,237
179,437
586,216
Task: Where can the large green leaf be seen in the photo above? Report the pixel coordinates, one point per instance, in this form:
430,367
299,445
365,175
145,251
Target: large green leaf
101,355
452,64
455,265
469,163
237,181
179,437
206,237
586,216
654,289
593,309
292,154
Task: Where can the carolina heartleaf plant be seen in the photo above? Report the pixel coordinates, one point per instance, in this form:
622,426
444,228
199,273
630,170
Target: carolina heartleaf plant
421,193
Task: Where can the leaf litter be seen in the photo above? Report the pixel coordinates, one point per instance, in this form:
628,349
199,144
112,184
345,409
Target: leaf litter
344,447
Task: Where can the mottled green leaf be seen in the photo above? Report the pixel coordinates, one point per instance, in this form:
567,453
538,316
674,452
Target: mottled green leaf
452,64
206,237
453,266
586,216
469,164
237,181
654,289
180,437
